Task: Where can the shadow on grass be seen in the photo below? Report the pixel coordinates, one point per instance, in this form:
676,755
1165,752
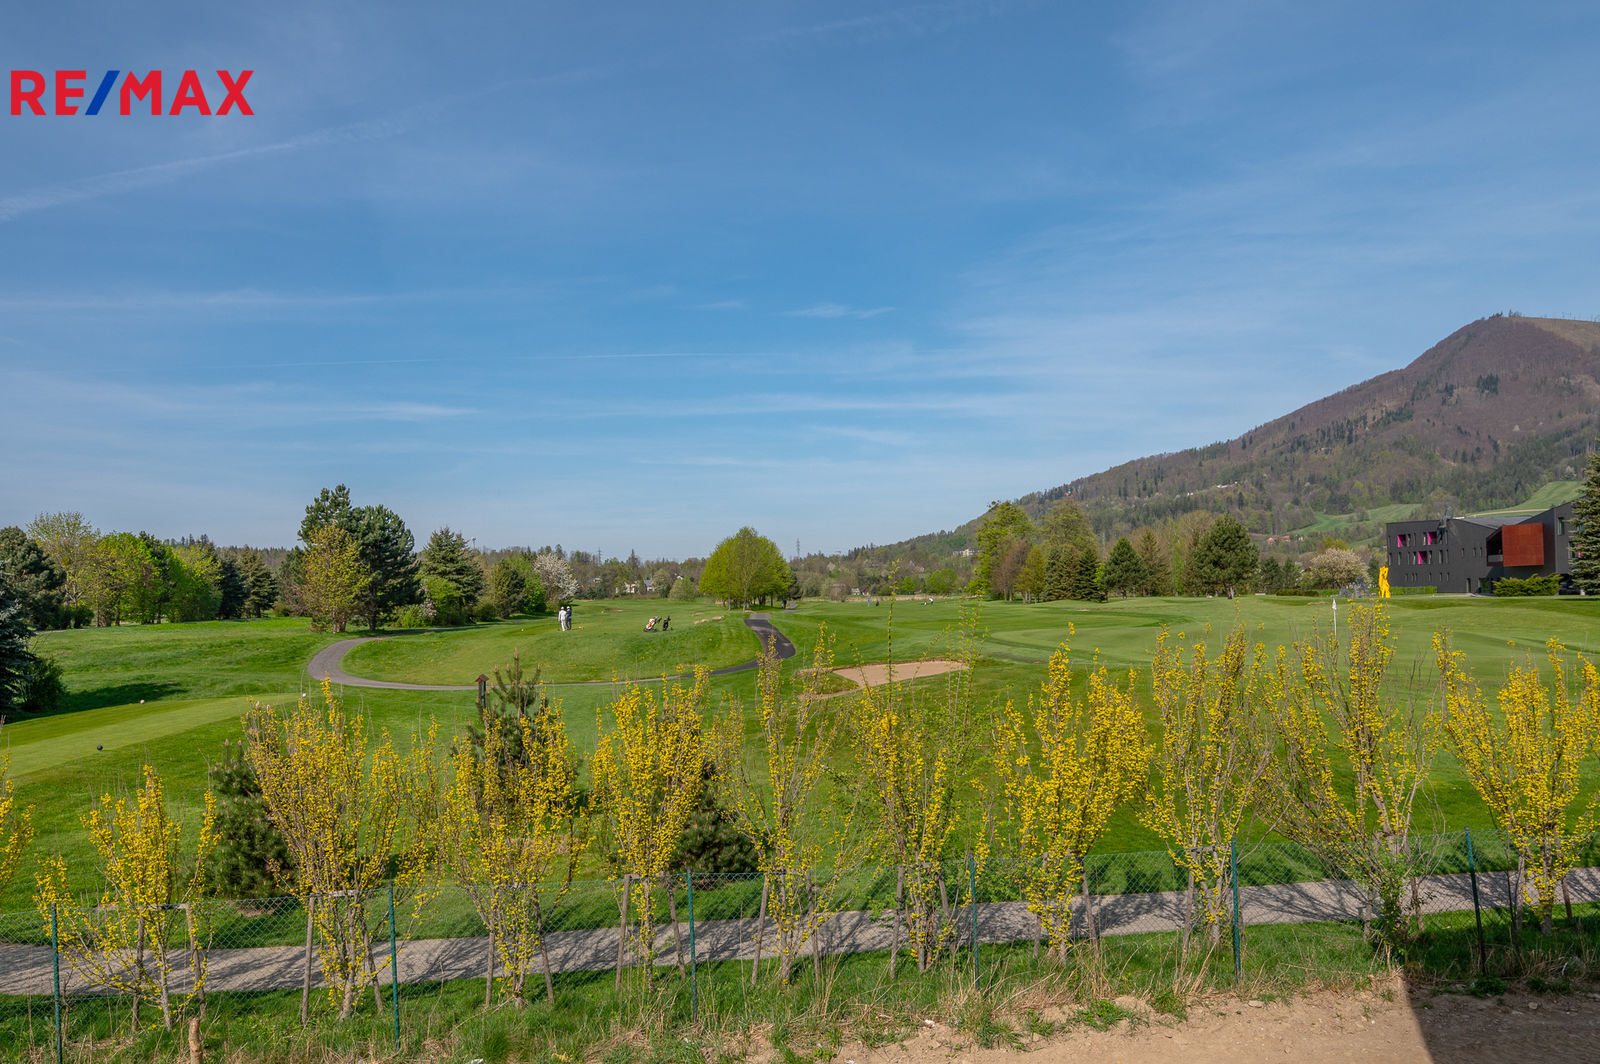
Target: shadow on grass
120,694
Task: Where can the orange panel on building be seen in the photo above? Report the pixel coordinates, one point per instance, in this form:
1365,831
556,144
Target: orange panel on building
1523,544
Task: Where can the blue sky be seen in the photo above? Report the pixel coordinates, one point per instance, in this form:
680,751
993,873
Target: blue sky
629,276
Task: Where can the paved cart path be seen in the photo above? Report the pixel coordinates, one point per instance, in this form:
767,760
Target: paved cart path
329,661
27,969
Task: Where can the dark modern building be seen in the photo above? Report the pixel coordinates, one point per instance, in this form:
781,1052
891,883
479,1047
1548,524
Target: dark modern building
1468,554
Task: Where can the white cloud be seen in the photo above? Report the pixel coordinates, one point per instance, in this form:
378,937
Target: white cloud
836,310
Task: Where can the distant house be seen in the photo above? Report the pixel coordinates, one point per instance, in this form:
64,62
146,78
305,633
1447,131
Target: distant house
1463,555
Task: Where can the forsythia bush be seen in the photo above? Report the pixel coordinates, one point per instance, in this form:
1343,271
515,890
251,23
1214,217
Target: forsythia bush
1527,770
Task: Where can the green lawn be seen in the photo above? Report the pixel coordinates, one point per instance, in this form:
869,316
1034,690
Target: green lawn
607,641
197,680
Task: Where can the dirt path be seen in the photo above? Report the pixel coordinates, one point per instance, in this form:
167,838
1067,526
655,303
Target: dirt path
1388,1022
329,661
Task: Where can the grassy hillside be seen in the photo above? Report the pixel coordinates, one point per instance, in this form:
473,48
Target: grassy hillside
1482,420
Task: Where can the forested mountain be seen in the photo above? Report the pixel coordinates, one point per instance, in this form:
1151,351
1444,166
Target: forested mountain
1478,421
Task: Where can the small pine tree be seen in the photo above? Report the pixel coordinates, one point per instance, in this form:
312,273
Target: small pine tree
711,840
249,845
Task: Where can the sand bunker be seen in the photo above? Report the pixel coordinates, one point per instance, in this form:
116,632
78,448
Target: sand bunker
874,675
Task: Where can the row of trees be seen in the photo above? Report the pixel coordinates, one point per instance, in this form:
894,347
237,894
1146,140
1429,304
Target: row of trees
68,573
1309,738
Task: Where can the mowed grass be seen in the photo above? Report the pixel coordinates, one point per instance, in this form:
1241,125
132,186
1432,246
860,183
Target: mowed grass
198,680
607,641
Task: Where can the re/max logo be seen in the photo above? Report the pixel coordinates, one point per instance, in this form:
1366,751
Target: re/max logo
28,89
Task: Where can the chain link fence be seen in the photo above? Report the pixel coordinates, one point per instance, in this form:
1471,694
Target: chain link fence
386,967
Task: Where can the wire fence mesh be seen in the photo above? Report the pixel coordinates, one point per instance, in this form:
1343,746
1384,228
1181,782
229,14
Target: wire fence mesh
71,978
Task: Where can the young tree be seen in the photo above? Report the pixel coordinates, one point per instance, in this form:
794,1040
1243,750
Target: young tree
1586,537
1528,770
339,802
683,590
148,903
915,747
333,582
248,845
1063,766
647,768
16,822
499,818
1224,561
1337,716
1211,763
782,805
1124,571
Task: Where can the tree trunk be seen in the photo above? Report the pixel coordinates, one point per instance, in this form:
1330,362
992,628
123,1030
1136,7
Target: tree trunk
894,934
544,954
305,983
672,909
761,923
622,930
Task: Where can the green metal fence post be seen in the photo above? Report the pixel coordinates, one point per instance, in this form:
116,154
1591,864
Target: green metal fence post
394,970
1477,910
694,986
972,888
1233,865
55,965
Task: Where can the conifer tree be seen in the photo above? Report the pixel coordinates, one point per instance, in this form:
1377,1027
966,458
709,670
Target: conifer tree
1586,540
248,845
1124,571
1157,566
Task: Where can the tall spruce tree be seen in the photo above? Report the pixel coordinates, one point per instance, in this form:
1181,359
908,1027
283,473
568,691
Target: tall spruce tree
1124,571
1058,565
1224,561
16,661
37,579
1157,565
447,557
1086,585
1586,539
